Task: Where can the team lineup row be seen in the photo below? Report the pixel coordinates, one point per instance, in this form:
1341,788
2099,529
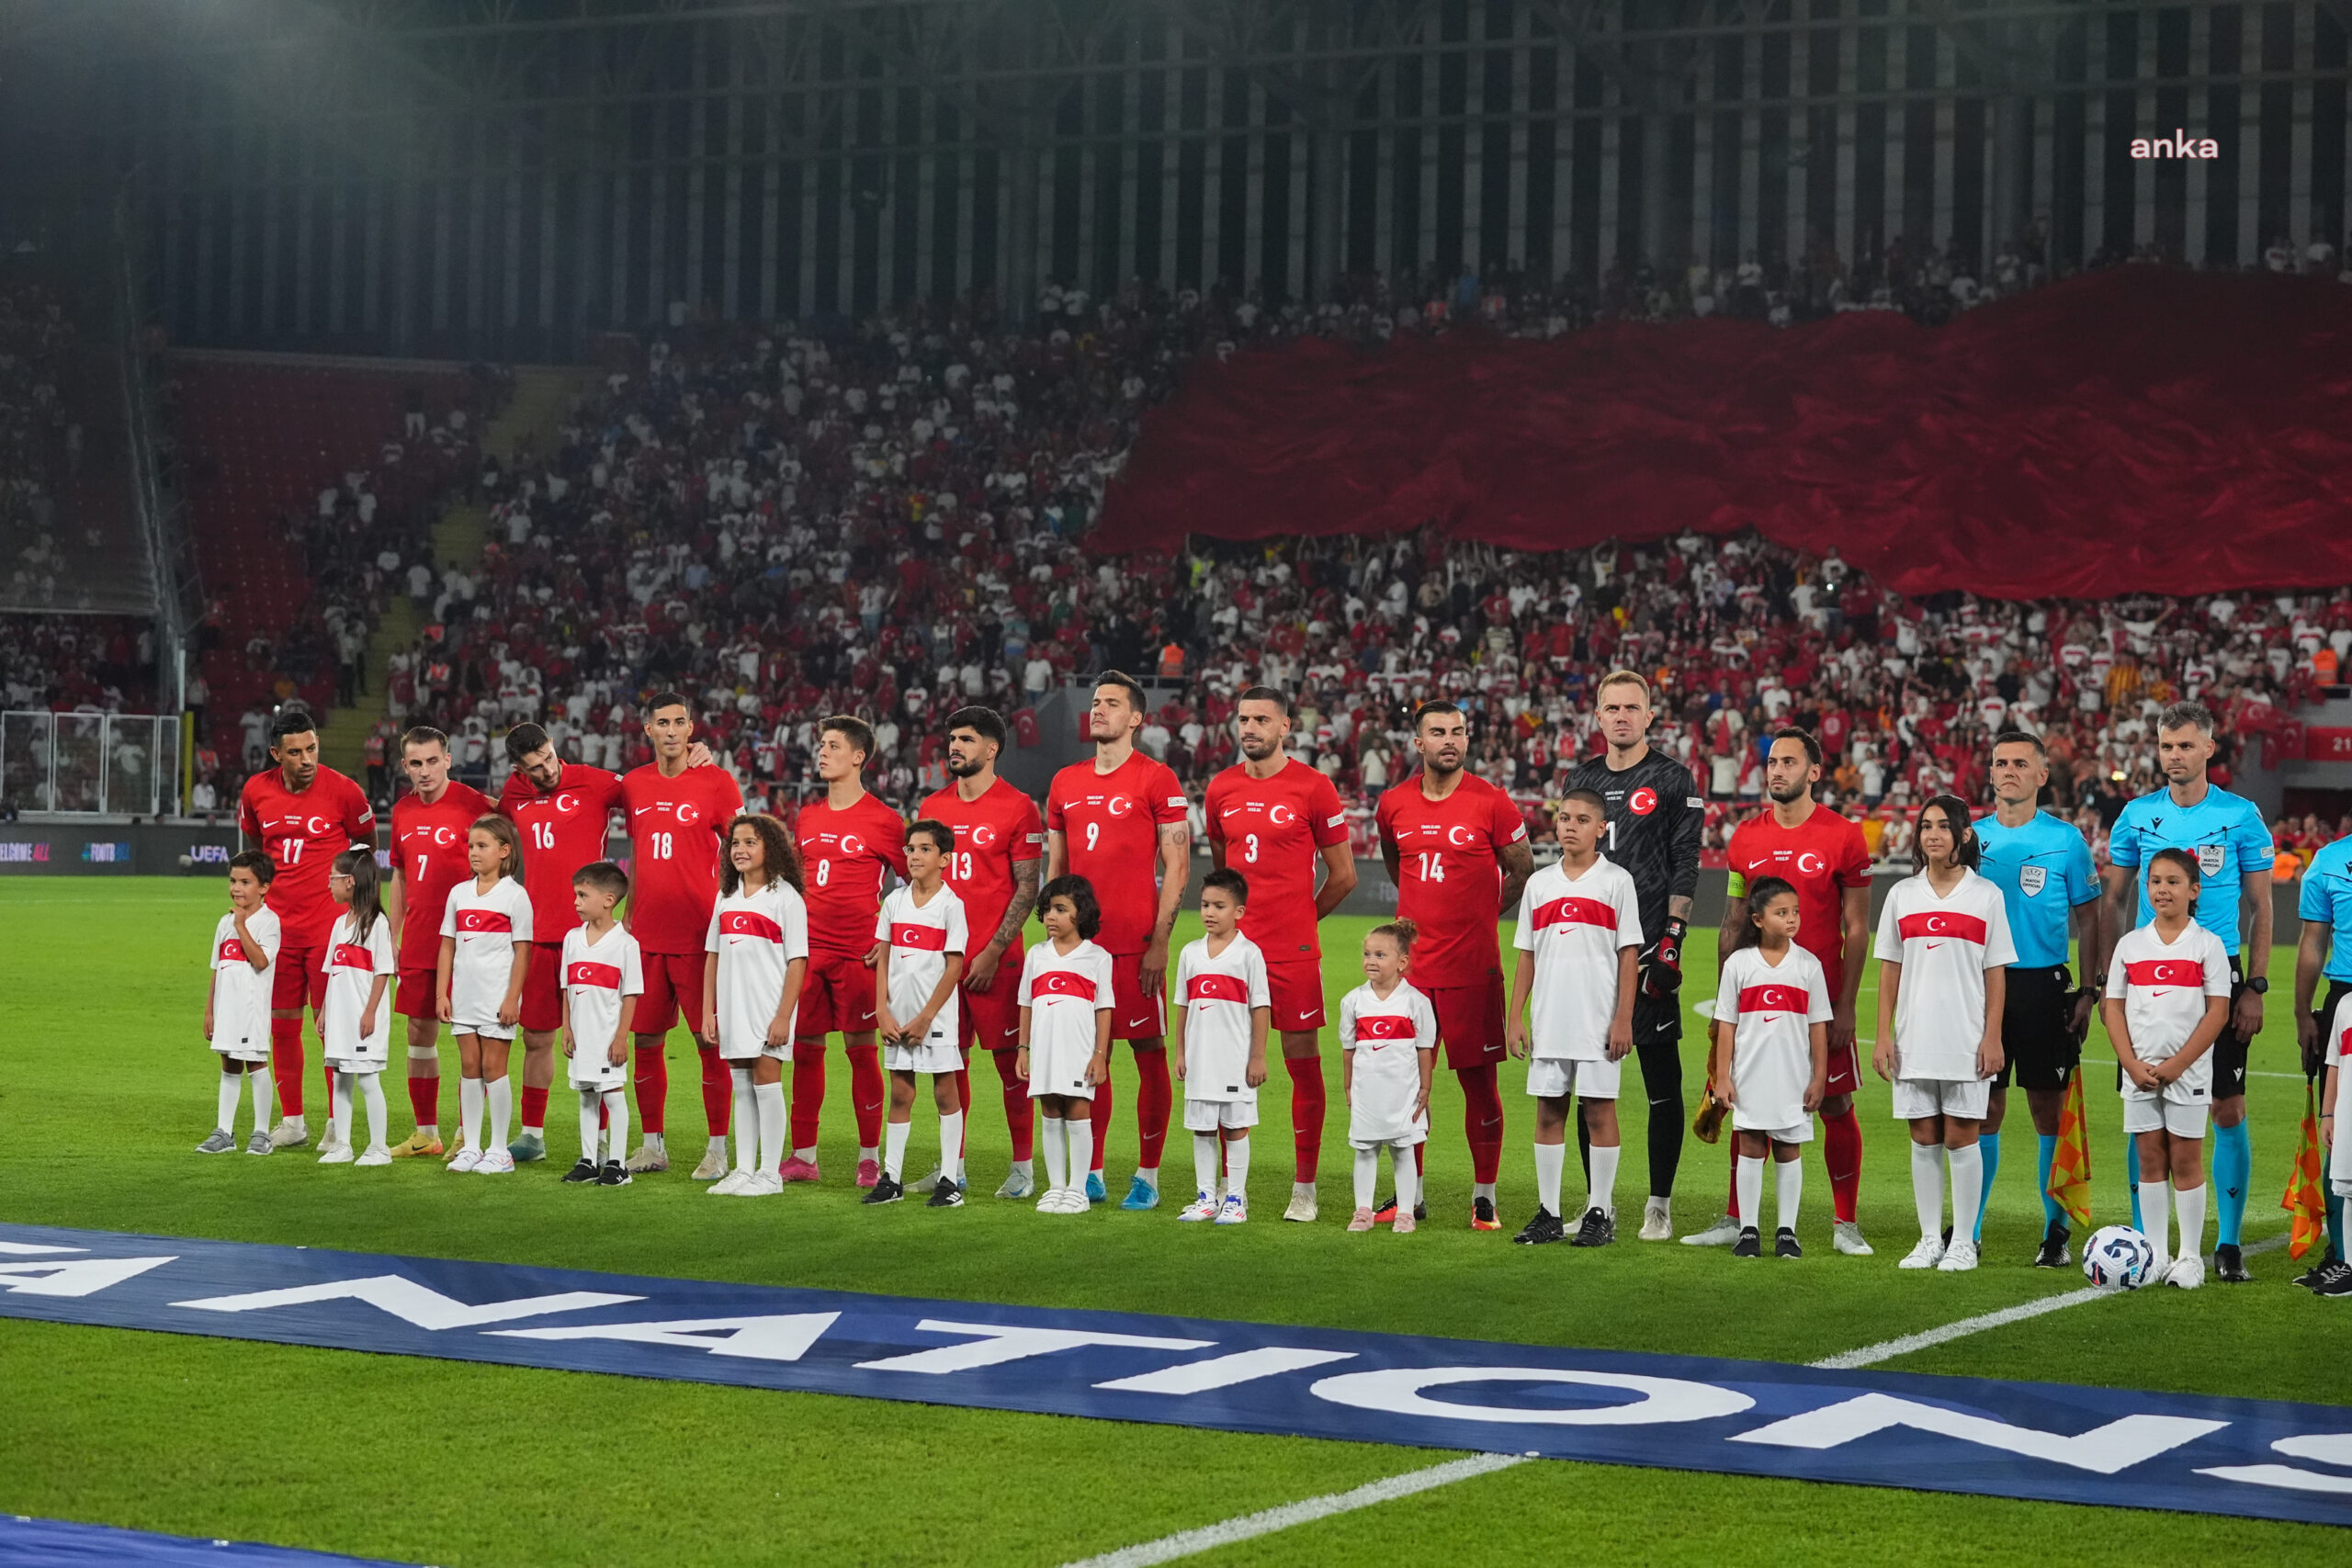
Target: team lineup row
1115,828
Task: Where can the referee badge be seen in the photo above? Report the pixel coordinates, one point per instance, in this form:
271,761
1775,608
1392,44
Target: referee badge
2030,879
2208,859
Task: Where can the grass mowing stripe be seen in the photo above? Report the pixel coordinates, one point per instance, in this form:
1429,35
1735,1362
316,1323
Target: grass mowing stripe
1188,1544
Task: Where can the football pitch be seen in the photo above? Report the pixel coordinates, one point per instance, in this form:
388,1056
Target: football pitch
103,1095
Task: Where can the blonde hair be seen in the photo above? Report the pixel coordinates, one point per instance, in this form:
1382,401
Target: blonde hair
1623,678
1401,933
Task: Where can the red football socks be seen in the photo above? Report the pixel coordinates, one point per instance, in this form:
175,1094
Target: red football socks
1102,1119
1482,1122
1841,1151
424,1100
1306,1107
653,1086
285,1063
807,1092
1154,1098
717,1090
869,1096
534,1107
1020,1111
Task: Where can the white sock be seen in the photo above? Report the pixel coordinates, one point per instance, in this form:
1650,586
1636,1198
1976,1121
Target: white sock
501,1092
2188,1202
371,1095
1928,1188
808,1154
1236,1168
469,1099
767,1101
1082,1149
339,1118
297,1126
1148,1173
1551,1159
894,1149
951,1147
591,1101
1049,1133
865,1152
1788,1179
224,1109
1484,1190
1967,1191
616,1128
1406,1172
717,1145
653,1141
1750,1177
1204,1161
747,1120
1025,1167
264,1104
1604,1180
2155,1207
1367,1176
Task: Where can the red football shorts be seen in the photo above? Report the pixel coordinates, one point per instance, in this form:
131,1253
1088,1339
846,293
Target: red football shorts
543,988
673,990
414,997
992,1018
1845,1072
1295,986
298,980
836,996
1134,1016
1469,1022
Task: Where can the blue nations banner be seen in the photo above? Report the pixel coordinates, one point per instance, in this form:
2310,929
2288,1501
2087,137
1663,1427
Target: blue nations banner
54,1543
2056,1442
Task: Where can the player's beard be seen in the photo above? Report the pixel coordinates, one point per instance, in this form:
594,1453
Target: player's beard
548,784
1794,793
1440,766
963,770
1259,753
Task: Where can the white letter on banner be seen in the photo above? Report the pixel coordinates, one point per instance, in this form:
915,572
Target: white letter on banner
780,1338
1001,1343
2326,1448
1224,1371
2104,1450
73,1277
410,1302
1397,1392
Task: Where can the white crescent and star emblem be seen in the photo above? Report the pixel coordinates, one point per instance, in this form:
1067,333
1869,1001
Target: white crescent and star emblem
852,844
565,804
685,809
1117,806
1936,924
445,835
983,836
1642,802
1810,864
1275,813
317,824
1460,837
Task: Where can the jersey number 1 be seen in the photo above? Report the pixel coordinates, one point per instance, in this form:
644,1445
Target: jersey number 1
1432,866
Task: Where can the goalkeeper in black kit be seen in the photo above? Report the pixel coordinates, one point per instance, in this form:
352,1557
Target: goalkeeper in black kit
1655,820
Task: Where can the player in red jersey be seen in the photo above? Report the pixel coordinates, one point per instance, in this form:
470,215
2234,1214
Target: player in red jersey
1272,818
677,820
429,826
301,815
562,810
1824,856
1457,848
851,844
1119,821
1000,847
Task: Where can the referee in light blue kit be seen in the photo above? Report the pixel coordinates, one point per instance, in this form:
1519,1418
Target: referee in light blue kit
2233,854
2042,867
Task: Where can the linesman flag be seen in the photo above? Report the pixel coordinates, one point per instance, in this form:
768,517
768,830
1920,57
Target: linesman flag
2306,1197
2070,1168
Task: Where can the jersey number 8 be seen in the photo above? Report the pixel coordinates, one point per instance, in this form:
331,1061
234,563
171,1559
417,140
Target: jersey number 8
660,845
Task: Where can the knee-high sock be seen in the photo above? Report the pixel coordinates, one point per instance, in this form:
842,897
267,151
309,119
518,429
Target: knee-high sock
767,1108
1367,1175
2131,1179
616,1124
1731,1200
808,1096
424,1100
285,1062
1662,1080
964,1109
326,1077
1482,1122
717,1092
1020,1111
1551,1159
1205,1154
1990,1143
500,1092
1082,1149
2053,1212
339,1111
1307,1105
1601,1193
533,1110
2189,1203
951,1147
1928,1188
1750,1178
1407,1175
1057,1153
869,1095
747,1118
1236,1168
1841,1150
470,1104
1967,1191
224,1109
371,1095
1098,1136
259,1077
894,1149
652,1087
1788,1175
2232,1172
1155,1096
592,1125
2159,1215
2336,1226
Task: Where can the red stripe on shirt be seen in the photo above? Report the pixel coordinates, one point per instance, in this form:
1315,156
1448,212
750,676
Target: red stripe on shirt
601,976
484,921
1217,988
1773,998
925,938
1063,983
750,923
232,952
351,956
1959,928
2166,971
1384,1026
1576,912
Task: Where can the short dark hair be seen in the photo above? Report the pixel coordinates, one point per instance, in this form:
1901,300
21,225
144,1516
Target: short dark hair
524,739
423,735
665,699
856,731
2015,737
1228,880
602,875
1802,738
1080,894
938,832
1436,706
265,870
1126,683
985,723
1591,797
291,719
1265,694
2184,715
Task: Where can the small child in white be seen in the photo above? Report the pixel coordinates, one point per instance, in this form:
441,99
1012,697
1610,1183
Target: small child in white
921,937
2168,1000
1579,935
236,1009
1770,1058
757,959
1066,1005
1388,1054
1218,1045
485,950
2332,1278
603,977
355,1025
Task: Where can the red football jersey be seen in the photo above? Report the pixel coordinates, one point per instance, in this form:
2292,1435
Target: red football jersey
676,831
302,832
1274,831
562,830
1449,874
993,834
429,856
1820,857
1110,825
842,856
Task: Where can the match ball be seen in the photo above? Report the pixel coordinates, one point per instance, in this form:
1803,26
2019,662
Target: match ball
2118,1258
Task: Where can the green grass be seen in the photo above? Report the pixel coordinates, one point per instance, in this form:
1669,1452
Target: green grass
107,1088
